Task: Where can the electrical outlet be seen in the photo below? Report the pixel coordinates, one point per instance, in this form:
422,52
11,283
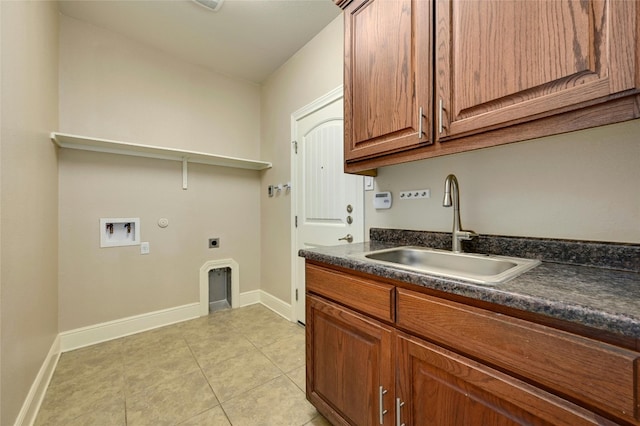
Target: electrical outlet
144,248
214,242
416,193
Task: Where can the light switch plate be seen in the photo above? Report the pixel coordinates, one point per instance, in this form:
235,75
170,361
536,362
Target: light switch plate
368,183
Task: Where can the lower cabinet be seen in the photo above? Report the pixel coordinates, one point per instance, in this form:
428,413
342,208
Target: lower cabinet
439,387
350,372
363,371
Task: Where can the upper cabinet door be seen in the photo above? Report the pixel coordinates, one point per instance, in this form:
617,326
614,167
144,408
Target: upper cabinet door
503,62
387,77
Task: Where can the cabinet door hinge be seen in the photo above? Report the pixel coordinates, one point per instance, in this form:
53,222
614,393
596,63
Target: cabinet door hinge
296,294
296,221
295,146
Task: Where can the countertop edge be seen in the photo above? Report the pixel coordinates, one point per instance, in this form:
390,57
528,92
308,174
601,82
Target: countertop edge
618,323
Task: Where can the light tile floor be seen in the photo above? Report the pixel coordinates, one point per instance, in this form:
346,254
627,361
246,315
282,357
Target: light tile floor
235,367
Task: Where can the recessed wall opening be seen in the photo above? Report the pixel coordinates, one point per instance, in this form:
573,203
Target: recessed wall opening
219,285
219,289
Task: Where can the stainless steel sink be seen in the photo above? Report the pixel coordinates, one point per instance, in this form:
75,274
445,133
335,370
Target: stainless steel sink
477,268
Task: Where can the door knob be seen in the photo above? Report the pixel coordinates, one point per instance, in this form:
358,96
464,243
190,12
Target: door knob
348,238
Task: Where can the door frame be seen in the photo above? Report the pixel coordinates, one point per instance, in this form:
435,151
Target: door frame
319,103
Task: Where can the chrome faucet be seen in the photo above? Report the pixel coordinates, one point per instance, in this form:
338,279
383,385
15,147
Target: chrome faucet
451,197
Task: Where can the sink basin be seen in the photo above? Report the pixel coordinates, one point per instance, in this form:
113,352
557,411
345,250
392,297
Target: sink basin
477,268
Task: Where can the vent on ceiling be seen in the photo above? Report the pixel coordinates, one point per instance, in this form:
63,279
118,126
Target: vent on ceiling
210,4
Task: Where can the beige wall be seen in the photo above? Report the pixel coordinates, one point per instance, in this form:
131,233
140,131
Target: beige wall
28,197
581,185
312,72
115,88
112,87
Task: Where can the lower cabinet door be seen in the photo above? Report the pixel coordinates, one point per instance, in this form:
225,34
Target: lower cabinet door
438,387
349,365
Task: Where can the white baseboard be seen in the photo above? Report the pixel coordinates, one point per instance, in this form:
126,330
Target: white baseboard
259,296
276,305
87,336
31,405
249,298
97,333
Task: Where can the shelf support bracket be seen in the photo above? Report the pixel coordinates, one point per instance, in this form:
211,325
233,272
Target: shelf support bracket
184,174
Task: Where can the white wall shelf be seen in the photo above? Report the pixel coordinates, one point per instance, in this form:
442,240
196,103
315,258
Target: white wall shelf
65,140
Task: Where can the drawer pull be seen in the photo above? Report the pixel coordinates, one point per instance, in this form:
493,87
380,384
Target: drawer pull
381,394
440,117
420,121
399,405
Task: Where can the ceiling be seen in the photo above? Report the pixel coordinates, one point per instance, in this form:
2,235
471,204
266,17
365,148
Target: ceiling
245,39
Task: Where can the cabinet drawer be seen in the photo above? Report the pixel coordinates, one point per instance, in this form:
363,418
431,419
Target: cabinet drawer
598,375
363,295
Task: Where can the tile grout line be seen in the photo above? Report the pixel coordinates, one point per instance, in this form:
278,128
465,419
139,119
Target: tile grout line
180,335
210,387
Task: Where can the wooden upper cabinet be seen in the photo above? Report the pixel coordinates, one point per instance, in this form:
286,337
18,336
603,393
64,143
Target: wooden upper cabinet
484,73
504,62
387,77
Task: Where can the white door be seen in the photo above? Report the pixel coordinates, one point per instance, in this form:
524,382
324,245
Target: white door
329,204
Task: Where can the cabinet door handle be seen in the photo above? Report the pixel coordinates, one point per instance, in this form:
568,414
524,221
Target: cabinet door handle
420,120
440,116
399,405
382,392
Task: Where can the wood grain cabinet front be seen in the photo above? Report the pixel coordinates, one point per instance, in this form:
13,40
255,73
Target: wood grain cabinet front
596,375
425,78
439,387
440,362
387,77
367,296
504,62
362,372
349,365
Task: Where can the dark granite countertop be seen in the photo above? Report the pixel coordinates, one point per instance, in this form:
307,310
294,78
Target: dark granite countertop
597,297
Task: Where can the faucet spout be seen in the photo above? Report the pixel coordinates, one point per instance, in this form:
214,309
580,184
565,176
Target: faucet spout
452,198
